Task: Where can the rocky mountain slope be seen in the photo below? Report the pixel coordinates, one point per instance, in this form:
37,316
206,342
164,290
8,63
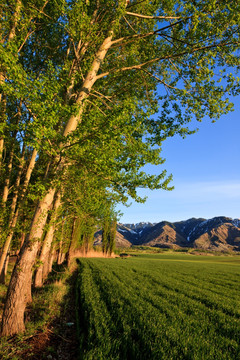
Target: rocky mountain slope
219,233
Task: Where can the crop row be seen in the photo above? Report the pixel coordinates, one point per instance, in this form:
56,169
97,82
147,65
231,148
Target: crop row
153,309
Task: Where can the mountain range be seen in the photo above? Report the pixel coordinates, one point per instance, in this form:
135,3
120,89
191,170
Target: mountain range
219,233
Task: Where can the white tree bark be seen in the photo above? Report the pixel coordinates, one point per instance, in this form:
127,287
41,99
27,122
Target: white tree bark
42,271
20,285
14,216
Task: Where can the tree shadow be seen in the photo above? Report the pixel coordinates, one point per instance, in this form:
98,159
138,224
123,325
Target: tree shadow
58,338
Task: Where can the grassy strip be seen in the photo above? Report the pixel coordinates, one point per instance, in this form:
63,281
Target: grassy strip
46,307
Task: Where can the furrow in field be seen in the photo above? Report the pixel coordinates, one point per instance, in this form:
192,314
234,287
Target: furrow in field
148,313
176,313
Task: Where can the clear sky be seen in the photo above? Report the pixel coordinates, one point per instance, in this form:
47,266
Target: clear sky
206,175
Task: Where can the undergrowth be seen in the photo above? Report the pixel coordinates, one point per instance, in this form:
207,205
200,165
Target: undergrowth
46,306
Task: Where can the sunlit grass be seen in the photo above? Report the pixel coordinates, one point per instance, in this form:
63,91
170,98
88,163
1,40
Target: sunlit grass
160,306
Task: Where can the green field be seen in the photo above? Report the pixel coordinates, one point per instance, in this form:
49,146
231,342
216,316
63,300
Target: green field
160,306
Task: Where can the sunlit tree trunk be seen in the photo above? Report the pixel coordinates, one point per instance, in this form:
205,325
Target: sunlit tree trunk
17,186
43,270
4,270
12,220
2,119
22,239
49,264
15,19
15,214
20,285
69,254
59,251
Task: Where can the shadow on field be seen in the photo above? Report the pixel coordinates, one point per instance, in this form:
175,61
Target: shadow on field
57,340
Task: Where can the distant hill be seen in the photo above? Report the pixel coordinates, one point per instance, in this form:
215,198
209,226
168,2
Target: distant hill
219,233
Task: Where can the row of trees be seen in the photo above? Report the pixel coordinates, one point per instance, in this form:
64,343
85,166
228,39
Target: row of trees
81,82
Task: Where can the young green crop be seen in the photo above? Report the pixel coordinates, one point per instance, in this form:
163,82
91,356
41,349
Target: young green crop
159,307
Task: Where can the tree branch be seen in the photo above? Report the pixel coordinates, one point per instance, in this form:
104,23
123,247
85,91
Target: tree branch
101,98
92,103
129,25
158,79
179,72
16,17
31,32
24,41
106,97
140,36
151,61
151,17
42,9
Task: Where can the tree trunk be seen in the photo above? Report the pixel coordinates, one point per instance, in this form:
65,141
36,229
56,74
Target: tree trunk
1,151
4,254
42,271
22,239
2,119
11,222
7,179
44,258
17,185
20,285
29,172
18,292
72,244
63,258
14,216
49,264
15,19
3,273
59,256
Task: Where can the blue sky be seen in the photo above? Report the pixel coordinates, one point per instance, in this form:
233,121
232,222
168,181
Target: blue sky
206,175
